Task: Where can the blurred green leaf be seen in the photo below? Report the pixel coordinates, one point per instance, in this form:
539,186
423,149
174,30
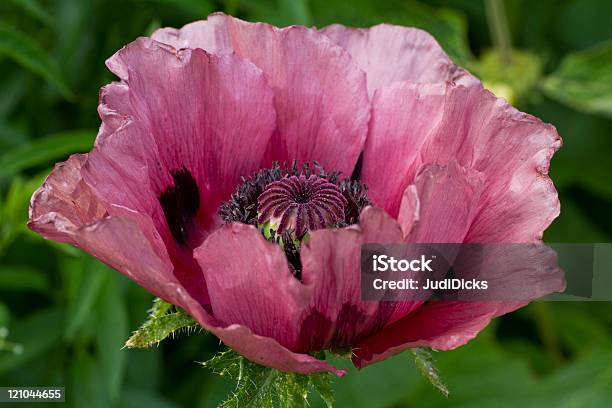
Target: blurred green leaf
579,24
8,346
85,390
138,398
297,11
111,329
584,157
45,150
14,89
26,51
573,226
579,331
163,321
379,385
153,26
34,9
426,365
480,374
586,383
5,315
14,210
197,8
231,6
91,280
38,334
514,81
20,277
9,136
584,80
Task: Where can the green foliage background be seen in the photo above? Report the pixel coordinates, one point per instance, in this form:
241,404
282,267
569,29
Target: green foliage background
68,316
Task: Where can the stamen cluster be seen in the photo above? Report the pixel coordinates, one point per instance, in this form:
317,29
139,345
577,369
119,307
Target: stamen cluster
297,200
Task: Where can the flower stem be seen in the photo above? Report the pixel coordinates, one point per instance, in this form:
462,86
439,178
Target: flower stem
542,314
498,26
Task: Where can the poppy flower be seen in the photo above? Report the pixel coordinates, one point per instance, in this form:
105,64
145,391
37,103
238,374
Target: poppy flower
226,179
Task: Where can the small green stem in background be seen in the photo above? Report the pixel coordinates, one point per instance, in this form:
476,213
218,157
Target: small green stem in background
546,331
6,345
498,26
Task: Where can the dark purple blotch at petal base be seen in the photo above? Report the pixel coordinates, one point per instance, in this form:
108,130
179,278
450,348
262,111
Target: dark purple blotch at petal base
180,204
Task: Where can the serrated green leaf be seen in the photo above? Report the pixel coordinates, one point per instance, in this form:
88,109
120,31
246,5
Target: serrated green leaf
425,363
28,53
259,386
322,384
45,150
292,390
254,383
583,81
161,323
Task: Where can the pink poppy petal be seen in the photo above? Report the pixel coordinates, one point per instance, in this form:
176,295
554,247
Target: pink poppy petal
64,202
119,170
66,209
259,349
390,54
442,325
515,273
331,266
182,122
131,246
410,208
120,243
448,199
319,92
115,108
250,284
522,209
415,124
268,352
212,115
404,117
513,151
63,209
